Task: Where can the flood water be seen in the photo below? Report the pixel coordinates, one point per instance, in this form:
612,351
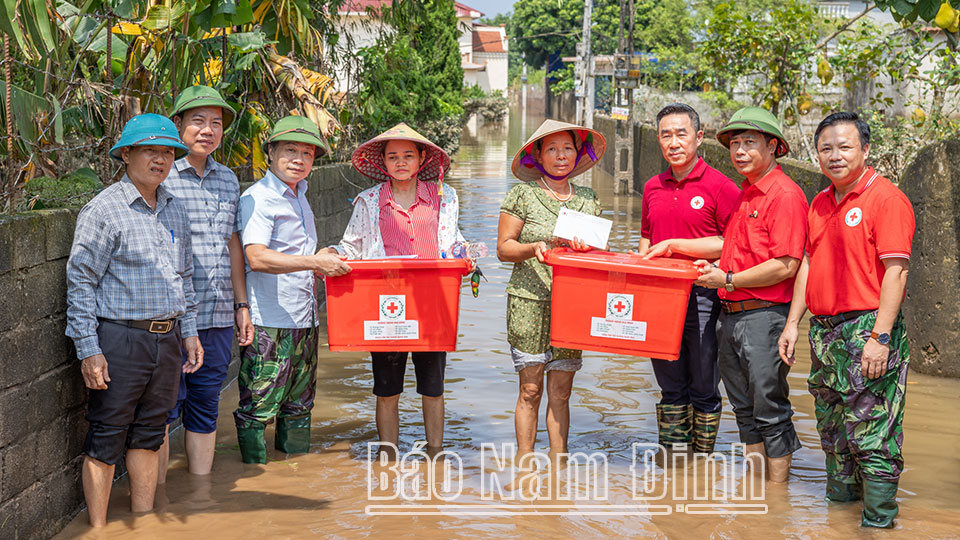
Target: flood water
323,494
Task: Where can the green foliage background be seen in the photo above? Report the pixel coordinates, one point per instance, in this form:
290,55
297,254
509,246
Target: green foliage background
413,73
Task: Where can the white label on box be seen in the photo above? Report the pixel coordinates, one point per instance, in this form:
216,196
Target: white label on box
384,330
393,307
618,329
620,306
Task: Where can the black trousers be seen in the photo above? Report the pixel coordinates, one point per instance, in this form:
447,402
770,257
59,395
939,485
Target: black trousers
694,377
144,371
756,379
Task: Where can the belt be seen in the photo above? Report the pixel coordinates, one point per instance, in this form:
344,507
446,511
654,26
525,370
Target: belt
745,305
834,321
154,327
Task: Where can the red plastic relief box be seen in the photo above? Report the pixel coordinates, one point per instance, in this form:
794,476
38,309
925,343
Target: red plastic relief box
395,305
619,303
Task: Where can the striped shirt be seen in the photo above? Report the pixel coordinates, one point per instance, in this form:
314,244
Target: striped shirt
129,262
411,231
211,203
273,215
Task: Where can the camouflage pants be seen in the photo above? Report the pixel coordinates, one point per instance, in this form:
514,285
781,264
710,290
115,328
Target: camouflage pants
860,420
278,375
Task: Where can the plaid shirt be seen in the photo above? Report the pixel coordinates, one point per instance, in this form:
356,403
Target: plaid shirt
211,203
129,262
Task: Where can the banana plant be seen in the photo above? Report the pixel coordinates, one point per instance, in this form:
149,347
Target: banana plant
85,66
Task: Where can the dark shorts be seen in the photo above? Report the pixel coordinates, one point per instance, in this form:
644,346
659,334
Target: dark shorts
144,371
389,367
198,400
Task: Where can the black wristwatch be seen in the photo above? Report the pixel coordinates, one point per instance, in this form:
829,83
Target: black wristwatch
883,338
241,305
728,286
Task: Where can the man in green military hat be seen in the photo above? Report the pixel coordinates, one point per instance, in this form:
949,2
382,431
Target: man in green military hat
278,371
210,193
760,251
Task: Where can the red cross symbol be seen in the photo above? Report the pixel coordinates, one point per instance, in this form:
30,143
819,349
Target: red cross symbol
393,308
620,306
854,216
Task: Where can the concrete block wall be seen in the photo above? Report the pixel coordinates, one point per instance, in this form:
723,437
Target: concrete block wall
648,160
42,396
41,392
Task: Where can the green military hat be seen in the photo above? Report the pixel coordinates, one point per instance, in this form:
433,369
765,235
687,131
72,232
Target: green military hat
756,119
297,129
203,96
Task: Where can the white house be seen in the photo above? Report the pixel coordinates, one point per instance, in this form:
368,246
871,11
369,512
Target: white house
486,64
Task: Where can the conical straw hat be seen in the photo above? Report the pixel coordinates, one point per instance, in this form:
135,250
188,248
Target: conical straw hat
368,157
590,148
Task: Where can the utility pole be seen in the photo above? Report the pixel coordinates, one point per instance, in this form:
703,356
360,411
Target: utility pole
585,82
625,76
523,100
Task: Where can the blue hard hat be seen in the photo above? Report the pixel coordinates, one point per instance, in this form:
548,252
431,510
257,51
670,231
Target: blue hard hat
149,129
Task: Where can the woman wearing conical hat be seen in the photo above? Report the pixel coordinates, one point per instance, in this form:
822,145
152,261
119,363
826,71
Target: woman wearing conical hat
552,156
411,213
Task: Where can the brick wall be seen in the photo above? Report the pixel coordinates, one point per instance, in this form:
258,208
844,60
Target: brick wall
41,392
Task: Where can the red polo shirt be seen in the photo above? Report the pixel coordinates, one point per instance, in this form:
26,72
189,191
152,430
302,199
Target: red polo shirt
847,242
697,206
770,222
412,231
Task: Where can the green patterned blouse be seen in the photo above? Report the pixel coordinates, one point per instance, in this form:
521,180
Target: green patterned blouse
538,210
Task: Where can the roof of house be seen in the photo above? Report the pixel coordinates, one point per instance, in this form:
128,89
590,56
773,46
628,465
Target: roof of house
361,6
464,10
488,41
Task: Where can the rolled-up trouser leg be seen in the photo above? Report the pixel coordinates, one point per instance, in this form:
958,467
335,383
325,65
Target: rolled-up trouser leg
144,375
736,379
756,378
198,401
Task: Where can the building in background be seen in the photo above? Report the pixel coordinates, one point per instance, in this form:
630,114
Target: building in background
485,64
483,49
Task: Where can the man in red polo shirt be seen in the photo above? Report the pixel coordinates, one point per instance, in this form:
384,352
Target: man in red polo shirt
858,248
762,247
689,200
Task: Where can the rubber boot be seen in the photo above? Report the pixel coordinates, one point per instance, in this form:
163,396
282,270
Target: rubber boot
675,423
253,449
879,503
838,491
293,434
705,427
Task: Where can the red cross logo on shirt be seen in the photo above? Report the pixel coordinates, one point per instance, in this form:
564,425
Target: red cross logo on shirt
392,308
619,306
853,217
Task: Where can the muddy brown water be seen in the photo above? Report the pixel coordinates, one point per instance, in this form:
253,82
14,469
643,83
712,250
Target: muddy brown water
324,494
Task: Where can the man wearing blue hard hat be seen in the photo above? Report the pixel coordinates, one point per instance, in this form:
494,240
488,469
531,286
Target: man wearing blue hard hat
130,309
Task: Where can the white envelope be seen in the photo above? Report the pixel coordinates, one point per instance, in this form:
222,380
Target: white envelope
593,230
